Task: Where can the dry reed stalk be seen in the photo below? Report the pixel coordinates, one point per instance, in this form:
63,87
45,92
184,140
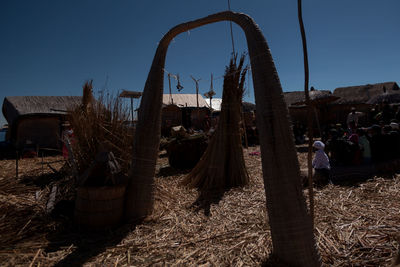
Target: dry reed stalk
87,96
222,166
101,127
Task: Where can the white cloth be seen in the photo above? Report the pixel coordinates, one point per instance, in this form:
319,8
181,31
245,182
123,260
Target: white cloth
321,160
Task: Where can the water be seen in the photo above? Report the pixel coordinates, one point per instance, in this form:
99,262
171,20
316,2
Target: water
2,136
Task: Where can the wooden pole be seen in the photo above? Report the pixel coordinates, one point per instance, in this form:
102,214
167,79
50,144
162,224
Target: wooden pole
132,108
170,92
16,163
309,112
197,90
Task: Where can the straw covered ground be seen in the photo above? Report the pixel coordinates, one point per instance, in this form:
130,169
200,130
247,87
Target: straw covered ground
356,225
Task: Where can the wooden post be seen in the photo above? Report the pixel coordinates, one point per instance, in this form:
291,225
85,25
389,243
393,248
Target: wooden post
197,89
16,163
170,93
132,108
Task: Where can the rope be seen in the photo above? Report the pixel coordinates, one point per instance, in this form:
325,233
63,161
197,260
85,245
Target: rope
309,112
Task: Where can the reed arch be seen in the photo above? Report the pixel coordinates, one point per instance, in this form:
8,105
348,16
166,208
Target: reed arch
291,227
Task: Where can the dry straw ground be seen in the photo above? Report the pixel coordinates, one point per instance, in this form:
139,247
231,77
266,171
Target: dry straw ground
355,225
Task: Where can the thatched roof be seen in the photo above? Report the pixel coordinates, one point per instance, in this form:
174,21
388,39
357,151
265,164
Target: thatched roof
296,98
184,100
15,106
130,94
389,98
363,93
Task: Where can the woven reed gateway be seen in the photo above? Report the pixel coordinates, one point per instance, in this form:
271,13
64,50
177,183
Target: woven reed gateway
291,227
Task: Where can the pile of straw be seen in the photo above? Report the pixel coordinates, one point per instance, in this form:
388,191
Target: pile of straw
355,226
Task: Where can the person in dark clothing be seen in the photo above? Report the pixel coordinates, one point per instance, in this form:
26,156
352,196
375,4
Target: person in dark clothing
387,113
377,144
387,142
395,135
339,149
298,132
372,114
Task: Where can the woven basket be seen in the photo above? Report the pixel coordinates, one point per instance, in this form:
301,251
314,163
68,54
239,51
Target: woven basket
98,208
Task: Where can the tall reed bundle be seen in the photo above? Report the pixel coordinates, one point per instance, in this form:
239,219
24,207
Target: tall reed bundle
222,165
100,125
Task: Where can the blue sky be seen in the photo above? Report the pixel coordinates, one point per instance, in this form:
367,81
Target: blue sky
51,47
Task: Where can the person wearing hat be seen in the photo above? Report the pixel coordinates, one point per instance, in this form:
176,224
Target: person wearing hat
321,164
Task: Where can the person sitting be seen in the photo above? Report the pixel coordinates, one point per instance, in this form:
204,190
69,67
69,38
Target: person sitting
321,164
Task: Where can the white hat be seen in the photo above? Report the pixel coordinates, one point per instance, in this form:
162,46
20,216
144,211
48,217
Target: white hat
319,145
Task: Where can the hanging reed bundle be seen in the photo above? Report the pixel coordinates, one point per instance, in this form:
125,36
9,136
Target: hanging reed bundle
222,166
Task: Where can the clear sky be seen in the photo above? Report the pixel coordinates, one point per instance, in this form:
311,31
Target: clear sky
51,47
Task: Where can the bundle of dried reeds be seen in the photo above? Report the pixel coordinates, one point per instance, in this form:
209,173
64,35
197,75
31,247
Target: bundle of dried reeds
222,165
101,127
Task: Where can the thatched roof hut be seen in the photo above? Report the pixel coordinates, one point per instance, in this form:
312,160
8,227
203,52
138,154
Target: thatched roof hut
184,100
295,102
358,97
37,119
297,98
182,110
361,94
16,106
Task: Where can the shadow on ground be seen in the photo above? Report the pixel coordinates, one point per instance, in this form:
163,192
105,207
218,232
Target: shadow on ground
206,199
87,244
41,180
170,171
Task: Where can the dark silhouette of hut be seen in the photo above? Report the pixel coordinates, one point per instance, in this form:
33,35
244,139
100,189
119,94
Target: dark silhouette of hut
358,97
320,100
249,114
182,109
37,120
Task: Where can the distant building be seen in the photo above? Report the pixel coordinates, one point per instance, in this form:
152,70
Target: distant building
336,111
358,96
181,109
37,120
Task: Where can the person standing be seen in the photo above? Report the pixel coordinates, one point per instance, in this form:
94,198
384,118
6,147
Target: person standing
364,146
352,118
